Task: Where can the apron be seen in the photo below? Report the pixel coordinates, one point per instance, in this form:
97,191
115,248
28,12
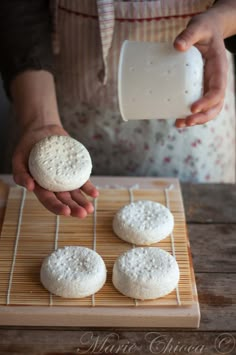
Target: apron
87,40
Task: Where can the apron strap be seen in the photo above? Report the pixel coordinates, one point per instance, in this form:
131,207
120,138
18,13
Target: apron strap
106,16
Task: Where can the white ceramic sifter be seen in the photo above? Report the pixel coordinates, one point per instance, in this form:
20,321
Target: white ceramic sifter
157,81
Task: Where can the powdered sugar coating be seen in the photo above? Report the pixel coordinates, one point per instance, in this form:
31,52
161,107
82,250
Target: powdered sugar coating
60,163
73,272
145,273
143,222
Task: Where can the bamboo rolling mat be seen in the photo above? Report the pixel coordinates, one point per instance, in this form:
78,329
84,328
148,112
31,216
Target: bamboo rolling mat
30,233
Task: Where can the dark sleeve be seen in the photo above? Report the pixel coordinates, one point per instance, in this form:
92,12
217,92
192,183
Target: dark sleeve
230,44
25,38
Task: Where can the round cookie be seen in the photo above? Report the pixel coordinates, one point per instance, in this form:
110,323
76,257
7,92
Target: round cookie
143,222
60,163
73,272
145,273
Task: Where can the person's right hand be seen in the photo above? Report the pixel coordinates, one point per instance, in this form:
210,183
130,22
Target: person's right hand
72,203
204,32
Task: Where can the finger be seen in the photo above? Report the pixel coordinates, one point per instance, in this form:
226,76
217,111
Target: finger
81,200
89,189
76,210
51,202
20,172
180,123
191,35
203,117
25,180
215,80
211,99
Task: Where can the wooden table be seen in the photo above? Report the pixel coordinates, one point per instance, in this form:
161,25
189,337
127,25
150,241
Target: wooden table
211,216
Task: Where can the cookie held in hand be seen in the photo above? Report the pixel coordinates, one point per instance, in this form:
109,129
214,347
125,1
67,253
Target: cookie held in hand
60,163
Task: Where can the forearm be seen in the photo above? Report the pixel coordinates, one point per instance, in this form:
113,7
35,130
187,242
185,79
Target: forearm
225,16
34,99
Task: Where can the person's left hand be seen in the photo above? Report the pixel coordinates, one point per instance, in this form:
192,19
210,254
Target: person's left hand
203,32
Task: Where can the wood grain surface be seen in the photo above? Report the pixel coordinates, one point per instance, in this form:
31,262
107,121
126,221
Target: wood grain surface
212,233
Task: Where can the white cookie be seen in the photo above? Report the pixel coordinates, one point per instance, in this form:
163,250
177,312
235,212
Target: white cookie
60,163
143,222
145,273
73,272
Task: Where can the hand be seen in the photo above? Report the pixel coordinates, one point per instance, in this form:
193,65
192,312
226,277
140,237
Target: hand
72,203
203,32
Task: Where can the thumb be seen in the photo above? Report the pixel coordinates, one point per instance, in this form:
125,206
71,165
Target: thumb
20,172
190,36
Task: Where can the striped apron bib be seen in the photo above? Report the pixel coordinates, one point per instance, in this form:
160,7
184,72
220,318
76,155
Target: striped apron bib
89,38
